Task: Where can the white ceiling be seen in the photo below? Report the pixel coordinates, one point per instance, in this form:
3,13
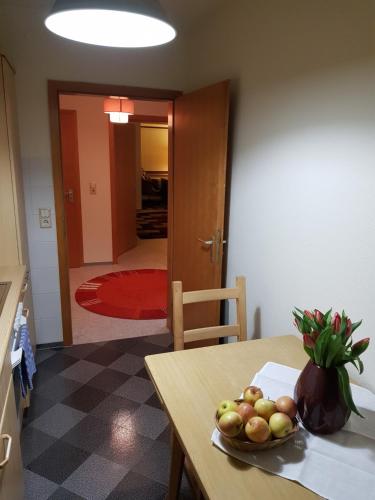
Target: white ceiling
183,13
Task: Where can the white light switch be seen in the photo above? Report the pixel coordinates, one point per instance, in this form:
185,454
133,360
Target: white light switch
92,188
45,218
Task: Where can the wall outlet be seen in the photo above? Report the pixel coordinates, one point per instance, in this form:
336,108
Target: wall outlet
92,188
45,218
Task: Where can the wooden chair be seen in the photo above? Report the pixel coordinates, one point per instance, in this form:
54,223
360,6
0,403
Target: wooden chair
180,298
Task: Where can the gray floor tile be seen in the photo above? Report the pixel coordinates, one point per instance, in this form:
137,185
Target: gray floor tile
82,371
137,487
58,388
58,420
137,389
115,409
81,350
128,363
58,363
95,478
39,404
125,446
155,463
33,443
38,487
149,421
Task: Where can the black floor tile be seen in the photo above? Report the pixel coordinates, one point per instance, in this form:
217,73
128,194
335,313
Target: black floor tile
63,494
165,436
143,373
146,348
154,401
155,463
80,351
122,345
85,398
104,355
89,434
42,375
57,389
108,380
34,443
137,487
58,462
39,405
57,363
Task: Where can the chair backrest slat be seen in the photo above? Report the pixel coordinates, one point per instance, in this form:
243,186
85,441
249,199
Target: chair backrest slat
180,298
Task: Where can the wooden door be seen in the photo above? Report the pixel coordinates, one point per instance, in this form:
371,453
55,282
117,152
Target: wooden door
72,187
199,180
124,146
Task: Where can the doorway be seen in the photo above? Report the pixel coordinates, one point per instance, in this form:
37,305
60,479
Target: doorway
198,134
116,201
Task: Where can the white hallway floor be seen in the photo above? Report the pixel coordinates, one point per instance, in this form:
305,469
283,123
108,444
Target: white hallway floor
91,327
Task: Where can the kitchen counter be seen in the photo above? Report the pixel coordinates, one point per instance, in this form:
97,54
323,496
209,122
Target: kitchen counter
15,274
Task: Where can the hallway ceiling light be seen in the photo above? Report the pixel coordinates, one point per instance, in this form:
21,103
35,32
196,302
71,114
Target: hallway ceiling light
118,109
111,23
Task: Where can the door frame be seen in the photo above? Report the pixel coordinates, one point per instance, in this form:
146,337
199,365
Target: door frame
55,88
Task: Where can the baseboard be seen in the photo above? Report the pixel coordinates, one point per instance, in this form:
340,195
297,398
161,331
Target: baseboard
50,345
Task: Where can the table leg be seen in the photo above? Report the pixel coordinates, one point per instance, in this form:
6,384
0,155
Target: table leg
177,464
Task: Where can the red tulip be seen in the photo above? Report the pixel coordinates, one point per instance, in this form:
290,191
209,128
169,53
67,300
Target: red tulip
348,330
318,317
315,335
308,314
336,323
360,346
308,341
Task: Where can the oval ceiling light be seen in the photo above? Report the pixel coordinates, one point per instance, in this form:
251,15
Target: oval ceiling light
111,23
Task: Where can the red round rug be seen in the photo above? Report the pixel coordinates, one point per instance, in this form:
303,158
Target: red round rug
138,294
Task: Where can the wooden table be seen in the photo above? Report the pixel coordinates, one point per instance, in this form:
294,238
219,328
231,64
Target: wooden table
191,384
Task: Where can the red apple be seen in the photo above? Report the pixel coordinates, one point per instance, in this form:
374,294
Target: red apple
265,408
280,424
246,411
287,405
230,424
251,394
226,405
257,430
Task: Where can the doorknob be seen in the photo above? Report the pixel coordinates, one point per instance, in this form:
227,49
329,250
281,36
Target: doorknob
69,195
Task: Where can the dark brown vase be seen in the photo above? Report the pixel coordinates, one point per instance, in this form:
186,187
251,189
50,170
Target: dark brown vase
320,405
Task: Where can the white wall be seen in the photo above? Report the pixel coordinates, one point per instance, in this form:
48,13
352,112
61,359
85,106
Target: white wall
94,168
302,211
38,56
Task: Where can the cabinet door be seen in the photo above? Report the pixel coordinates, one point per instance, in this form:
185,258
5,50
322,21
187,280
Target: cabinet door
8,224
11,475
15,161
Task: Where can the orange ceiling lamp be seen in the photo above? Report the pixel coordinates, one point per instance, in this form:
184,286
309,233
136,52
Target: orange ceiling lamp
118,109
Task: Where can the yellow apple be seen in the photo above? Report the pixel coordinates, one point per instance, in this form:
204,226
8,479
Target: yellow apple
280,424
230,424
265,408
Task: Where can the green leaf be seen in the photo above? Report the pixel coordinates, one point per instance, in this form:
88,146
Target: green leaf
356,325
334,349
361,367
328,317
345,389
321,346
309,352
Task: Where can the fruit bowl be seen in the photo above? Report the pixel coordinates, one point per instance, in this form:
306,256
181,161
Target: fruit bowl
246,445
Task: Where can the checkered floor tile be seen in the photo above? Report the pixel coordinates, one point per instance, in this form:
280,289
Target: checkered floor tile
95,429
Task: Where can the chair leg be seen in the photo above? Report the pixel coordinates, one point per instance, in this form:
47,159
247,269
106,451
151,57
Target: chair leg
177,465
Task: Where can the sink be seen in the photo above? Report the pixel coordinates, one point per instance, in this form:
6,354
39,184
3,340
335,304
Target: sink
4,289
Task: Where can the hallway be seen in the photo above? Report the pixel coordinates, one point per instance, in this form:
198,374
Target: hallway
89,327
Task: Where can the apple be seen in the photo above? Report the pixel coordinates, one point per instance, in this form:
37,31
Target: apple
230,424
226,405
257,430
246,411
280,424
287,405
265,408
251,394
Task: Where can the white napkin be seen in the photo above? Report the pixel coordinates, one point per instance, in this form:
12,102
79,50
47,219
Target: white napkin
339,467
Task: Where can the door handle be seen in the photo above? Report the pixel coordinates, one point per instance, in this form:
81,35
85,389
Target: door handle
69,195
206,242
6,437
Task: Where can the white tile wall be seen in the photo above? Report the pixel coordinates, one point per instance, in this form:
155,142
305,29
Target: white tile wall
38,187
